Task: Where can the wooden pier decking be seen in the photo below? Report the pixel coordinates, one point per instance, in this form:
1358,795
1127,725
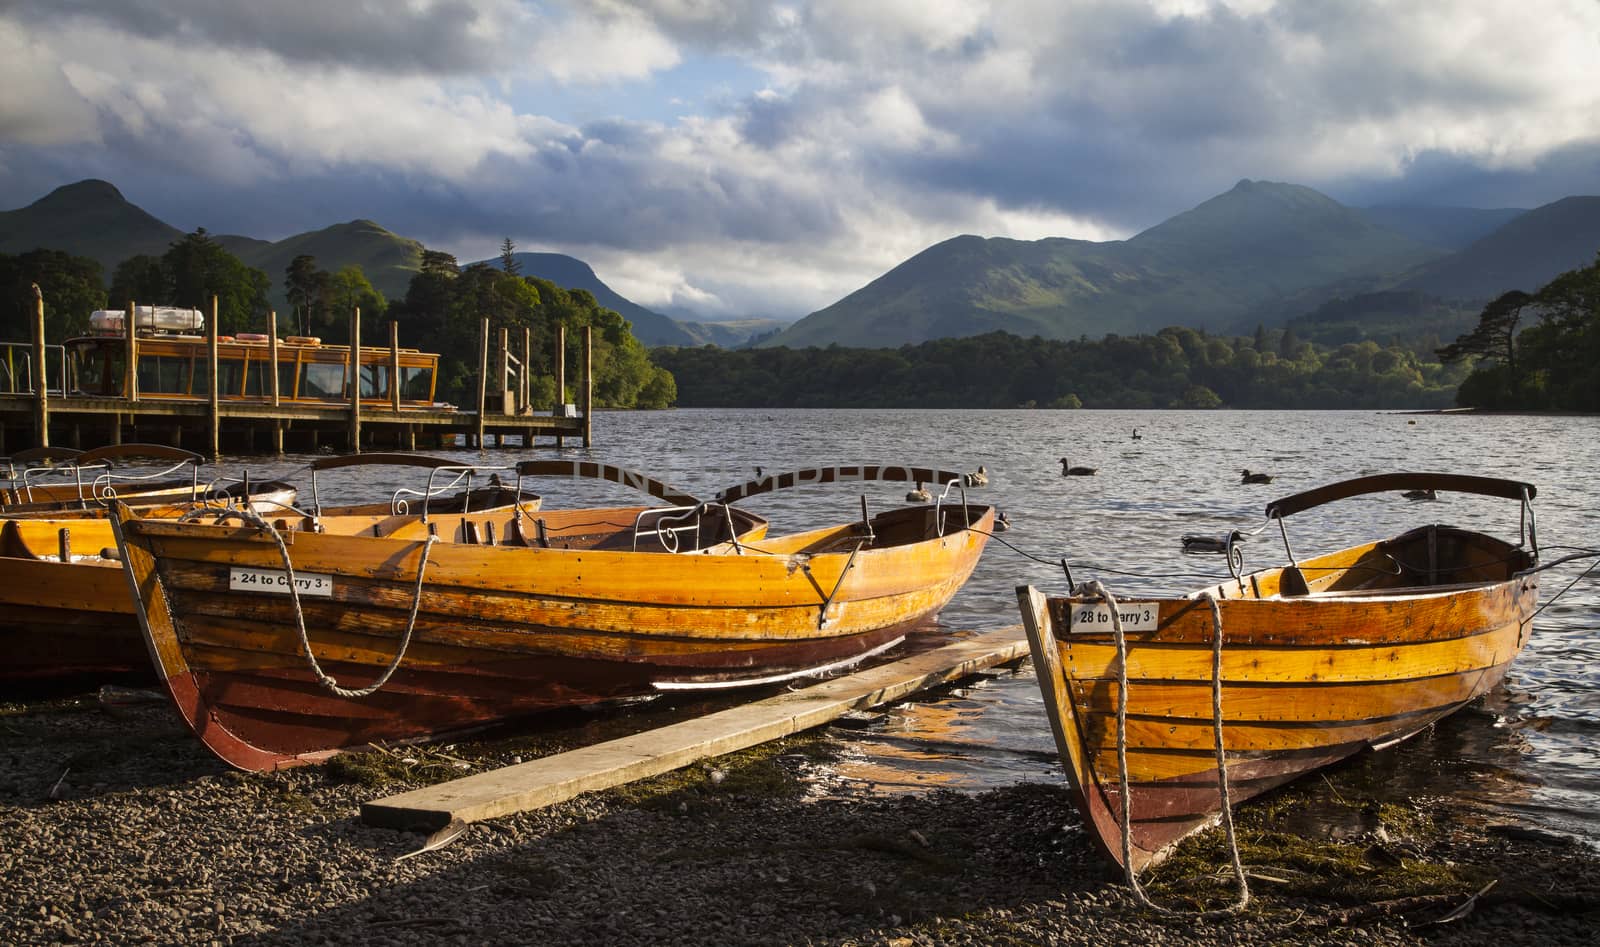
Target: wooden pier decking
41,417
552,779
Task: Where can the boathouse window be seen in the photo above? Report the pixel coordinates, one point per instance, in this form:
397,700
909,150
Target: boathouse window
286,371
374,381
322,380
230,377
257,380
164,374
416,383
97,370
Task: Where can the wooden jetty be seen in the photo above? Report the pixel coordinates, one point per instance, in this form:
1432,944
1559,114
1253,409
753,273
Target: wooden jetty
552,779
39,408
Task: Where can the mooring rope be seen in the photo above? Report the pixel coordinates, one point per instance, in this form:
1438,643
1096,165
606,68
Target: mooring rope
1092,588
323,678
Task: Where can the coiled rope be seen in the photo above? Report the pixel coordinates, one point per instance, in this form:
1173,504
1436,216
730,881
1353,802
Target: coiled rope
1095,588
327,681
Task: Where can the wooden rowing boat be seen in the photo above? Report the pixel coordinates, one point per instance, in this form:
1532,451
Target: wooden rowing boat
599,605
66,617
96,480
1355,649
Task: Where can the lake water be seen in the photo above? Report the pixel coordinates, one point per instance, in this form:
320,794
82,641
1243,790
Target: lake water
1529,752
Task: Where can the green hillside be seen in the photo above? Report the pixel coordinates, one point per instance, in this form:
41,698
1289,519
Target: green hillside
1213,266
388,260
90,218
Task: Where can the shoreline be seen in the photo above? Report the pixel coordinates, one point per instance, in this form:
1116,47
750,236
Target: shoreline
150,839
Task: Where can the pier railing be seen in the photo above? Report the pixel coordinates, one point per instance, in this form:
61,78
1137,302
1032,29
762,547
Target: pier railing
16,368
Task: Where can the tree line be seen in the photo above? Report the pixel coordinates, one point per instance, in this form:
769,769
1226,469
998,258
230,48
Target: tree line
441,311
1174,368
1535,351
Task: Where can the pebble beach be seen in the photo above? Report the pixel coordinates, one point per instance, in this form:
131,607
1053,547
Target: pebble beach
118,827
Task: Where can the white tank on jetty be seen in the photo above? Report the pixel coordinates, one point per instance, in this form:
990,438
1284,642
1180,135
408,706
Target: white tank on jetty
156,318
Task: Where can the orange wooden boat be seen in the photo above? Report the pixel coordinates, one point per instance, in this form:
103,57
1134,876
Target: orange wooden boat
1352,650
596,605
65,613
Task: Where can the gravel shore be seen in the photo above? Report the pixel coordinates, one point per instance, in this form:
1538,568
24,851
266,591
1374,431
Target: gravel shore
116,826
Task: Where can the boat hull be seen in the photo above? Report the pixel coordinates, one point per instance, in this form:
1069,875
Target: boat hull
504,631
1307,680
72,623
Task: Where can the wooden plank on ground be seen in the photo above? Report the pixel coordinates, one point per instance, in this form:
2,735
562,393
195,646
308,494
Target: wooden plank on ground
552,779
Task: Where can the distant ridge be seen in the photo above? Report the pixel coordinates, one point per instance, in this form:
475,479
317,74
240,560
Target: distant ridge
1262,253
1448,228
90,218
1211,266
1524,254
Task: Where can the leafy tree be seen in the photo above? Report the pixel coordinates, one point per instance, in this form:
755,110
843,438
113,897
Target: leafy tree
1495,337
71,287
197,268
439,263
139,279
1288,345
443,311
301,284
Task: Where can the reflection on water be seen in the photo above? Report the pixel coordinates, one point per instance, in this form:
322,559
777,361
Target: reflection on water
1527,752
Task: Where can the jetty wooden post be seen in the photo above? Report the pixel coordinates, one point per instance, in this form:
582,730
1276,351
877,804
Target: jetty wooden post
355,380
41,398
213,388
272,353
394,365
588,385
506,399
130,386
483,376
560,410
524,383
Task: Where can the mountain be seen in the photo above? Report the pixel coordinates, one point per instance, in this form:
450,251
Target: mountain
389,261
90,218
1212,266
1524,254
1448,228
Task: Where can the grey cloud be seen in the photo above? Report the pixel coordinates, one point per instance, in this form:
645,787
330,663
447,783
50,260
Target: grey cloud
447,37
1438,178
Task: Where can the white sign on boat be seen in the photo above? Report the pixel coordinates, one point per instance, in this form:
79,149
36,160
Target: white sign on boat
1136,616
276,581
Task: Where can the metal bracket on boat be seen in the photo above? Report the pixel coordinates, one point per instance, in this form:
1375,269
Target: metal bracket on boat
35,456
960,484
1527,525
101,489
850,563
1225,545
589,470
667,525
397,504
1072,587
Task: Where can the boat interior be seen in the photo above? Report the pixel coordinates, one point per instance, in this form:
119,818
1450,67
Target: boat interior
1428,558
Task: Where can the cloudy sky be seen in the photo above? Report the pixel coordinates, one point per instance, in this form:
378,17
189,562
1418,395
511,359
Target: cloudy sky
744,158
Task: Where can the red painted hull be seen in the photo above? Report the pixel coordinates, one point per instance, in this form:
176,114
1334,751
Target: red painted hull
505,632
